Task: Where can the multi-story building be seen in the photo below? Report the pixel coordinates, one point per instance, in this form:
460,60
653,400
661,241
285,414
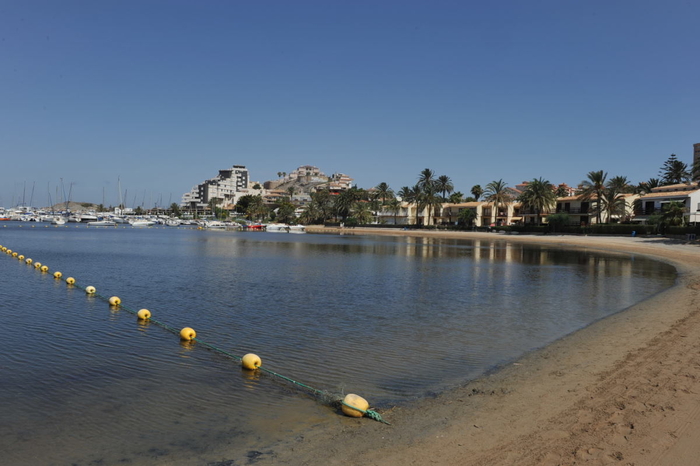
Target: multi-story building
224,188
655,201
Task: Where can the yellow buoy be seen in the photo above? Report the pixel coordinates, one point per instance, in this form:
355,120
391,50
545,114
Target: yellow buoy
44,268
115,301
355,401
20,257
188,334
37,265
57,275
251,361
144,314
9,251
70,280
14,254
28,261
90,289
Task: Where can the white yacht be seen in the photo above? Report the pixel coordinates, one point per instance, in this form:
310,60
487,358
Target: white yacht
102,223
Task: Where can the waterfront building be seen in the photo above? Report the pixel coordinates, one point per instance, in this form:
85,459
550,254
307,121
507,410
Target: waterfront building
225,188
655,201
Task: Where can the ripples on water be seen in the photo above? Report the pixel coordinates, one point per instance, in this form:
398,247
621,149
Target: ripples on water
389,318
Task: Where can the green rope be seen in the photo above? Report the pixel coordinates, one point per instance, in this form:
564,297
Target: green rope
369,413
315,390
334,399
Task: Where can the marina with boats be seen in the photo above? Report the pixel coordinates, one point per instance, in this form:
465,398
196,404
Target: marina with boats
104,219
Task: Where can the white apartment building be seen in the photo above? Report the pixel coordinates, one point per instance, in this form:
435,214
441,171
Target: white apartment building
225,187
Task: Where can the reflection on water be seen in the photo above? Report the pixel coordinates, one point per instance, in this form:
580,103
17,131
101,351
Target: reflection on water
389,318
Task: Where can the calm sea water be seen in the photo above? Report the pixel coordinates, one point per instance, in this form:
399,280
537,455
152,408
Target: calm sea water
391,319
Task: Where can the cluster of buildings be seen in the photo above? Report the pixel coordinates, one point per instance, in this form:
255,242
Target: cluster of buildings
581,211
226,188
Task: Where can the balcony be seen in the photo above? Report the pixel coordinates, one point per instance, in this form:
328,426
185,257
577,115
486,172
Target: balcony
646,212
574,211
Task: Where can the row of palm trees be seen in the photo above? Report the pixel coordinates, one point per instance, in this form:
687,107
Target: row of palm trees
431,192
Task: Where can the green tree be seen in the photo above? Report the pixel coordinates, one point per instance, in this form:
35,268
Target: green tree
645,187
444,186
674,171
592,189
456,198
467,217
673,213
476,191
362,213
244,202
393,206
285,212
499,195
383,192
430,201
411,196
613,200
256,209
175,209
539,195
213,206
562,191
345,201
558,220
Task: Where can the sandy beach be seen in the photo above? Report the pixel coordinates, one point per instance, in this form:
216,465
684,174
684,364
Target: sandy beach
623,390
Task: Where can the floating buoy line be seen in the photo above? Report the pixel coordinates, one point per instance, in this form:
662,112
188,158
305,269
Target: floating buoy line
351,405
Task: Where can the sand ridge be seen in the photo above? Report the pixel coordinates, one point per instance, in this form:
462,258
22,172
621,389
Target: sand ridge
623,390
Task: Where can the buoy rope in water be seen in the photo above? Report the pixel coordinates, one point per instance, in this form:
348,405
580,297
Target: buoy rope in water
321,393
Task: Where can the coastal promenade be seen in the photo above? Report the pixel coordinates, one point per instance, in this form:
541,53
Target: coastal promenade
624,390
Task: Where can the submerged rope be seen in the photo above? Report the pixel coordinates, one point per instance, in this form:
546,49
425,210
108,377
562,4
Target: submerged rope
332,399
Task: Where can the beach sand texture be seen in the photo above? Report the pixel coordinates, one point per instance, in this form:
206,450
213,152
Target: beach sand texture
623,390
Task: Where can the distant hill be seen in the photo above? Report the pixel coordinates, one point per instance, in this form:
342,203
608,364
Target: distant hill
73,206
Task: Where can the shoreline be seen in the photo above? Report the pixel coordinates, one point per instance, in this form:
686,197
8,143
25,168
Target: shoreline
623,390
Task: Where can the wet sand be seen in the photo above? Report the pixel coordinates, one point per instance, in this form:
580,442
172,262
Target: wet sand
623,390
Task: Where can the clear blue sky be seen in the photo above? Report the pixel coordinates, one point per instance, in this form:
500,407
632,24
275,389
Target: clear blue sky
164,93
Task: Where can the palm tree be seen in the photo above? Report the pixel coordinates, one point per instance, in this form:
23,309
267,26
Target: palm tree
429,200
345,201
646,186
384,192
593,188
498,194
612,200
393,206
285,212
674,213
426,178
411,196
456,197
444,185
540,196
477,191
362,213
